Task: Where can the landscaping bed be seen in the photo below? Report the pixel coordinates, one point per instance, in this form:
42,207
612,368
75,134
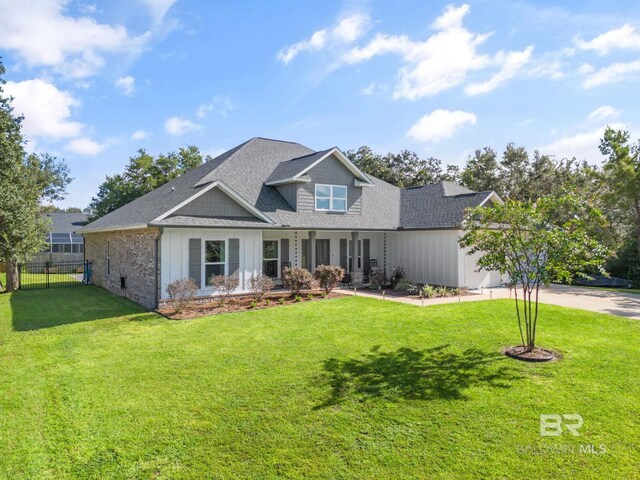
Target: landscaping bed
205,306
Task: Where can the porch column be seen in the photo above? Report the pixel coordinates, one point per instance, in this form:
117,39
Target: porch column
356,272
312,247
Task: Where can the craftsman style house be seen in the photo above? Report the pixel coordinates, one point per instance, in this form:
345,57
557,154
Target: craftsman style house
267,204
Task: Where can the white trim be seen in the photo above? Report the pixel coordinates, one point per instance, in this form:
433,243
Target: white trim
330,198
345,161
277,259
288,180
225,242
492,196
112,229
226,189
360,183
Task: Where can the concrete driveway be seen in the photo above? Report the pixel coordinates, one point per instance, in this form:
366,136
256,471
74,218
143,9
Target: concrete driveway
592,299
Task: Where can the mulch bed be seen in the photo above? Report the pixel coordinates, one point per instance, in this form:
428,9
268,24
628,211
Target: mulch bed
397,293
239,304
537,354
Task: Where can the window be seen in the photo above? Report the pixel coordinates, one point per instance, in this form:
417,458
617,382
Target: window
331,198
351,254
215,259
323,252
270,258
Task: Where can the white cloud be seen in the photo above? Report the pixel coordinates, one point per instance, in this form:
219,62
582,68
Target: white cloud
219,104
140,135
624,37
158,8
614,73
583,146
347,30
443,60
512,64
46,110
87,8
369,90
440,124
43,34
606,111
84,146
178,126
126,84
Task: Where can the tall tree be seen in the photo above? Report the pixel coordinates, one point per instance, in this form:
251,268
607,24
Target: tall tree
142,174
622,175
403,169
25,181
481,172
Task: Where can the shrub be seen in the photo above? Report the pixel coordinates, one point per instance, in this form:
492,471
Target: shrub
267,302
310,297
223,287
260,285
181,291
253,304
442,291
298,298
378,280
404,285
428,291
397,275
328,276
281,301
295,279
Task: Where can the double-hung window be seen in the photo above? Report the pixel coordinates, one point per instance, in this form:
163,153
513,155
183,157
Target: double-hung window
215,259
270,258
331,198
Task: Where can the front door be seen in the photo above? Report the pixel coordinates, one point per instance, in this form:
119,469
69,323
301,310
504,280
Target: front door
323,256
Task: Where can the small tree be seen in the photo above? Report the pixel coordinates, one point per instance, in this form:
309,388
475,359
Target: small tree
223,287
295,279
260,285
534,244
181,291
328,276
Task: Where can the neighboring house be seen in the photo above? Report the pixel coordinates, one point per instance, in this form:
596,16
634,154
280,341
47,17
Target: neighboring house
63,243
266,204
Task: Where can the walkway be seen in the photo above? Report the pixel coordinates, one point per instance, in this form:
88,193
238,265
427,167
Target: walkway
603,301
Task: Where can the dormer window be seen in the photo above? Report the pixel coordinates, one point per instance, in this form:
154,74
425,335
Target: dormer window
331,198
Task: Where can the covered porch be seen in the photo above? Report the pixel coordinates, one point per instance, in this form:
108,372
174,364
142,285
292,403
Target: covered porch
357,252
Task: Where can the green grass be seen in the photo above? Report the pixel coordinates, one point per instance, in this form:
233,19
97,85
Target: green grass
38,281
94,387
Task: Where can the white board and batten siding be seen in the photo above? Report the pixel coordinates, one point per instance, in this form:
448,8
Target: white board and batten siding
174,253
434,257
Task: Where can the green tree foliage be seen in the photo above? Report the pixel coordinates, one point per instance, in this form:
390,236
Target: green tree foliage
25,181
621,174
143,174
534,244
404,169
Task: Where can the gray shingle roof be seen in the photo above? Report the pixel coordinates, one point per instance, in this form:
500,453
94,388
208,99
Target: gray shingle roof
291,168
247,167
65,222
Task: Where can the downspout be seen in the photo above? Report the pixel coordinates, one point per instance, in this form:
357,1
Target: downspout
156,268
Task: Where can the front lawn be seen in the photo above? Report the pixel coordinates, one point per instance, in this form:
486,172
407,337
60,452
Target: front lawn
94,387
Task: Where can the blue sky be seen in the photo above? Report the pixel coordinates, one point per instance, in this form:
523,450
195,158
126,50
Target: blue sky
98,81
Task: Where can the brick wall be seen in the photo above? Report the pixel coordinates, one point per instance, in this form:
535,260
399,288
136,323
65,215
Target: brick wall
131,254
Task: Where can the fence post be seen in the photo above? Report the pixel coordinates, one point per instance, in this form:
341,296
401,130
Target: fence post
19,276
46,271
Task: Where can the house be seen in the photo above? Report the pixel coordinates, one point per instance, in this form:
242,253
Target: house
266,204
63,244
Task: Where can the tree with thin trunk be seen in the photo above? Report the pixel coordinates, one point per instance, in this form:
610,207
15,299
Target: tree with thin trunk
535,244
25,180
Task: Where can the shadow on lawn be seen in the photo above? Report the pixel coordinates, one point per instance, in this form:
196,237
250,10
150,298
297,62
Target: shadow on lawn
433,373
36,309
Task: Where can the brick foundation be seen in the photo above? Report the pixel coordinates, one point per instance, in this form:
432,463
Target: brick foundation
131,254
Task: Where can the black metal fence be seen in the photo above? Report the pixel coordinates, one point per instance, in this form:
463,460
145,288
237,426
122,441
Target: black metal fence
37,275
